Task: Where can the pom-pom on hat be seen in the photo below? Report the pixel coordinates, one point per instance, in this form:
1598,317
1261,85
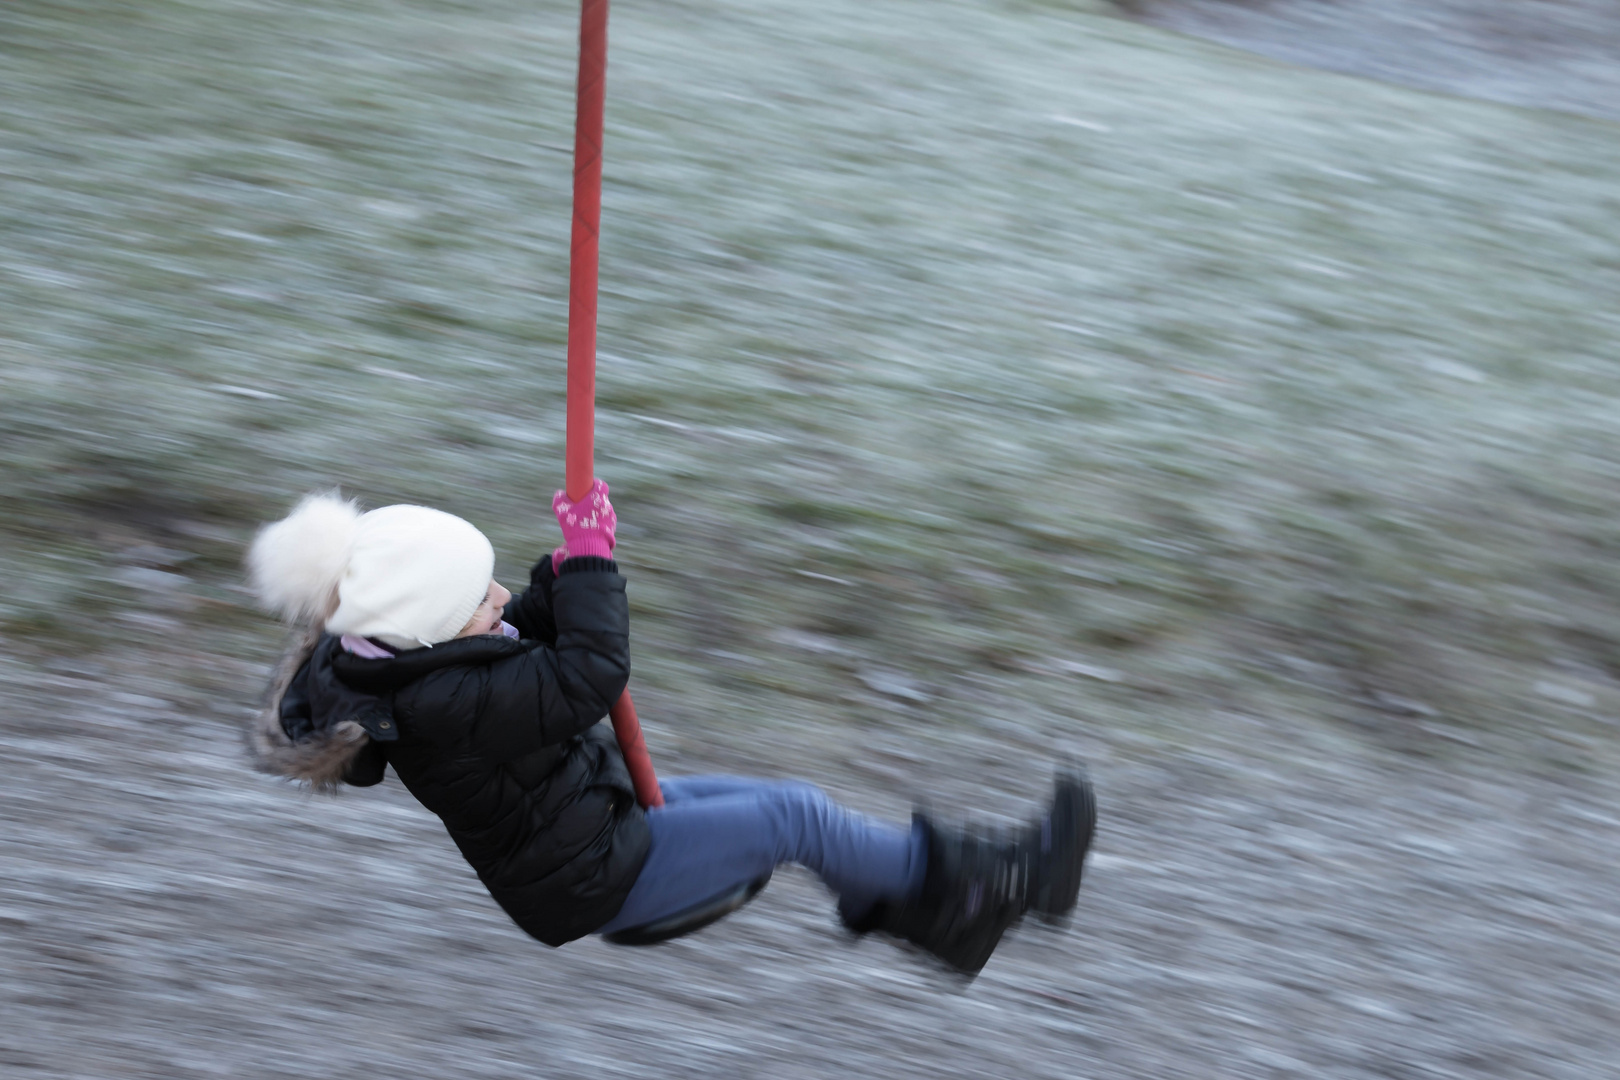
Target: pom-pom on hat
406,575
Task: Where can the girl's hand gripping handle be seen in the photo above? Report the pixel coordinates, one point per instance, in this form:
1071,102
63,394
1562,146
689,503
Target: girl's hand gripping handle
587,525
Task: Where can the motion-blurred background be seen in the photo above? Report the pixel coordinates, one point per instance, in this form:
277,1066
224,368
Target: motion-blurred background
981,380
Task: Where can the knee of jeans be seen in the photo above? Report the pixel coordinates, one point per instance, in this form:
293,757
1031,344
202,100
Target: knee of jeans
799,812
802,793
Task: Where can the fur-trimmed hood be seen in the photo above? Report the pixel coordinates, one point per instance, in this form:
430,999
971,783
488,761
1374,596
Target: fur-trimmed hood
315,728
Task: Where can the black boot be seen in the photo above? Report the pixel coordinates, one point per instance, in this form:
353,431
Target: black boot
975,887
1056,847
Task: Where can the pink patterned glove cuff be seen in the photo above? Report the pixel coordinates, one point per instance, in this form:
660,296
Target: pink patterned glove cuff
581,548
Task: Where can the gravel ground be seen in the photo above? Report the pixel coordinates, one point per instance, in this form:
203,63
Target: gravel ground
1270,900
1298,526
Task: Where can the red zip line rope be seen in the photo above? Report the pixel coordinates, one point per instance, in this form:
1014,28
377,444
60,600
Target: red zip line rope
582,286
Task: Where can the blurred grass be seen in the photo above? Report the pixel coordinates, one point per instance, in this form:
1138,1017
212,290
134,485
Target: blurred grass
945,347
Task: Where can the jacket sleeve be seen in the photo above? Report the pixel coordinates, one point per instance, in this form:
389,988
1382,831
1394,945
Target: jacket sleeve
548,695
368,765
530,610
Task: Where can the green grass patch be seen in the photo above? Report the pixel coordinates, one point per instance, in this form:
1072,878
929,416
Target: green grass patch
972,338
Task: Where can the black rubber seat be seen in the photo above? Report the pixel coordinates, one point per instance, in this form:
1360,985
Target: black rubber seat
693,918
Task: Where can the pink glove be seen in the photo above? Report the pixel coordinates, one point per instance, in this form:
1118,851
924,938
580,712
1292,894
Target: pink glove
587,525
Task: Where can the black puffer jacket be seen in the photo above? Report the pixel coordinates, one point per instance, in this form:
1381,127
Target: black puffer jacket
501,738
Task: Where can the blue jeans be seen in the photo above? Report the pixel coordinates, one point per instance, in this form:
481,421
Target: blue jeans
716,832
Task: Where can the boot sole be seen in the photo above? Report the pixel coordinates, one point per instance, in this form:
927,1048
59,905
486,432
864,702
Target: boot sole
1074,823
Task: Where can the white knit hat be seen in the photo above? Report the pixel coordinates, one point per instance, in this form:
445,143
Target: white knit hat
405,575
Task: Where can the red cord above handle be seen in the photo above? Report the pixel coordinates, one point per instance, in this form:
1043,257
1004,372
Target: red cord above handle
584,258
584,253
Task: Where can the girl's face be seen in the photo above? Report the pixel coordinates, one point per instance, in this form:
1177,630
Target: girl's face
487,619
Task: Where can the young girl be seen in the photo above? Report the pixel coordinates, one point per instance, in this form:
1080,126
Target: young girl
488,707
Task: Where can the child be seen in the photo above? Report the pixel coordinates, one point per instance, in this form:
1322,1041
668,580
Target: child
488,707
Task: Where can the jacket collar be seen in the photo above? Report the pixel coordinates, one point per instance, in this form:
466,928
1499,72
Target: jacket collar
387,674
